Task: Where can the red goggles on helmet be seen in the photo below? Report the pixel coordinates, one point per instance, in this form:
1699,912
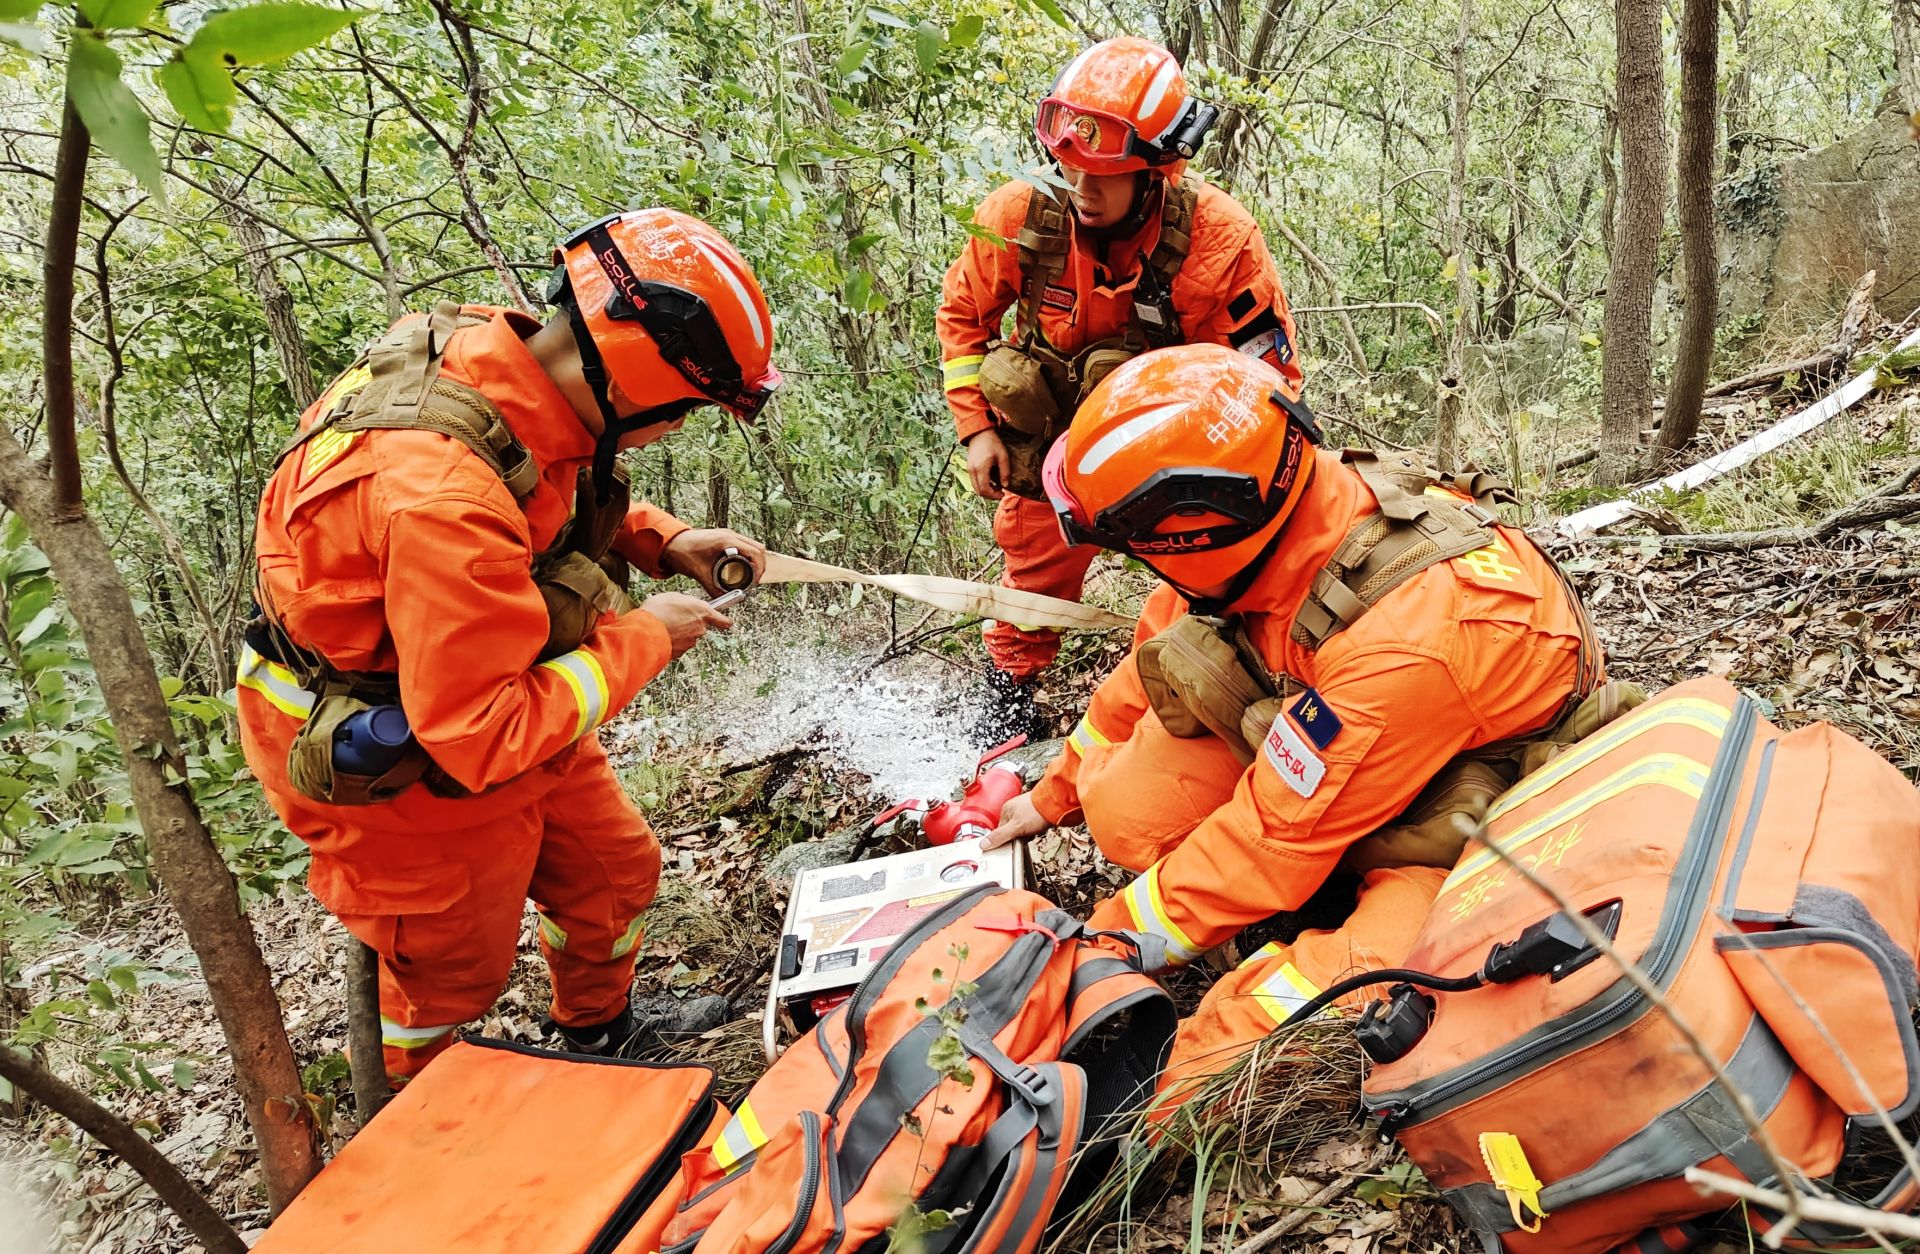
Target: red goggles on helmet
1097,137
681,325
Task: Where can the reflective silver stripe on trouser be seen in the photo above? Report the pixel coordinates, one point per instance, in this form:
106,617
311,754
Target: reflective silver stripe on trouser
401,1036
1704,1127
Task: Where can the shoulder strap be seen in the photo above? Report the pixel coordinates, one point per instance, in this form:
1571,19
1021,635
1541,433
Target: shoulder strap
1414,529
1044,239
1176,229
404,392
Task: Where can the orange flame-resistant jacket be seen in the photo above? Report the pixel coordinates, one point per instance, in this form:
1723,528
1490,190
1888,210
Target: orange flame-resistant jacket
1466,653
402,552
1227,292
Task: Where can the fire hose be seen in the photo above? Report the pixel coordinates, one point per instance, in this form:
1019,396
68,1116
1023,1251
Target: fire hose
956,596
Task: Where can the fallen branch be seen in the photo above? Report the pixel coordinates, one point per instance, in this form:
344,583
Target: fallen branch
1306,1210
1873,509
1820,1210
118,1136
1837,354
1332,281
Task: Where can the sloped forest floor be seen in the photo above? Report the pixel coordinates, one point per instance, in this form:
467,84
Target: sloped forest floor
790,742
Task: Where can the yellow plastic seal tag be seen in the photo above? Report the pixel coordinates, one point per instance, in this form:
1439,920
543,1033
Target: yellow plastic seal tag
1513,1175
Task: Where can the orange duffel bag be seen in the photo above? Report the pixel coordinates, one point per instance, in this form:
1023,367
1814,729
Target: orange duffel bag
497,1148
1768,883
971,1073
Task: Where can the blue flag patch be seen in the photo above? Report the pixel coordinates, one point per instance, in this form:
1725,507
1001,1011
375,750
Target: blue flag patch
1315,718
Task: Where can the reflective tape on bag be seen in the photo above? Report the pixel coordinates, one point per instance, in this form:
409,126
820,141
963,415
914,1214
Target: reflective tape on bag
1149,911
962,372
742,1136
1085,736
274,682
583,676
401,1036
1285,992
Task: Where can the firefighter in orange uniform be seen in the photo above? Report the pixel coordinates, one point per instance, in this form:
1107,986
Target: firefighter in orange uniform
443,555
1279,706
1133,256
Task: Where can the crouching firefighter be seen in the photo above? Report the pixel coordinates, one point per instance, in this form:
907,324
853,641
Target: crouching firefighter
1348,650
444,551
1133,254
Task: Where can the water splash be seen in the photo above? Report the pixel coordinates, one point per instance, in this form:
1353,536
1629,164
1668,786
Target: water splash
903,723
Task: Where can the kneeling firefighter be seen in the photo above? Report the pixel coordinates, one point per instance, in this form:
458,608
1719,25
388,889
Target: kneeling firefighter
443,558
1347,645
1133,254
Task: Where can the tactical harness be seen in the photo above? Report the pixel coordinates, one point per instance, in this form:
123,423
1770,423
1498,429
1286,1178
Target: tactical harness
1203,675
1033,386
579,576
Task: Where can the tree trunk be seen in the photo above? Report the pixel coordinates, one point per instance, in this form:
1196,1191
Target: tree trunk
184,853
1453,383
1906,54
366,1060
719,492
1626,369
277,303
182,1198
1739,101
1693,201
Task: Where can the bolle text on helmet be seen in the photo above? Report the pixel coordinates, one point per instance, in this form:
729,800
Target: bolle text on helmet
1172,545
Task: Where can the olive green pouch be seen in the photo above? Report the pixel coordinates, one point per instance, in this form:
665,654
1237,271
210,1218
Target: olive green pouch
1015,386
310,760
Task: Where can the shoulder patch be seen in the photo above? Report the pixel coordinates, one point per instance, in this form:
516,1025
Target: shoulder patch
1292,758
1242,305
1316,718
324,450
1492,567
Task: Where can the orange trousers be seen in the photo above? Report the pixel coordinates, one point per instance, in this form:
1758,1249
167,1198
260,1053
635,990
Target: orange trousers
1144,795
438,887
1038,560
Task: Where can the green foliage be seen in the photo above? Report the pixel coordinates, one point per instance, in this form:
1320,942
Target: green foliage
111,111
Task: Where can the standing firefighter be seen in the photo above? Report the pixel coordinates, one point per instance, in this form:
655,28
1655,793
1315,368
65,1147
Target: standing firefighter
1135,255
1345,643
445,548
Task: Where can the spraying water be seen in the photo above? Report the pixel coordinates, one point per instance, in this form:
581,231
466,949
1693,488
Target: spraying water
902,723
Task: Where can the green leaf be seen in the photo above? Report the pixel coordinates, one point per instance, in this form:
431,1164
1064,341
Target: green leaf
125,978
1054,11
183,1073
928,39
111,111
198,84
880,17
261,34
19,10
852,58
117,14
100,995
965,31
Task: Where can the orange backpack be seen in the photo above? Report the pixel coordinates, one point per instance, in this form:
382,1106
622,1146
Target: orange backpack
869,1118
498,1148
1768,883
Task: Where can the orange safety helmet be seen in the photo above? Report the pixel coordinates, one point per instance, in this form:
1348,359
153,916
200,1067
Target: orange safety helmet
1189,458
1122,105
665,307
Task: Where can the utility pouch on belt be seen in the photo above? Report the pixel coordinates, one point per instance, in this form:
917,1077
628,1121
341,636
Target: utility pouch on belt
1199,683
1097,363
1015,385
310,765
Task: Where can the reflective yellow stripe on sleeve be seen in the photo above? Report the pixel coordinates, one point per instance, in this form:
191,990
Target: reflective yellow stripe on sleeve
1085,736
274,682
1285,991
1150,915
739,1139
962,372
583,675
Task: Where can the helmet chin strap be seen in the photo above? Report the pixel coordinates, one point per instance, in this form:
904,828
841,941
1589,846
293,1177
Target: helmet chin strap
593,368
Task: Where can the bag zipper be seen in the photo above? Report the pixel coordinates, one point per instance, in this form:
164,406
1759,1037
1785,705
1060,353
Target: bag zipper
809,1186
646,1190
1705,842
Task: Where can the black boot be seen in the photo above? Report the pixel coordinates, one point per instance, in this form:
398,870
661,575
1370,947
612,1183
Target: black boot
1006,709
644,1026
